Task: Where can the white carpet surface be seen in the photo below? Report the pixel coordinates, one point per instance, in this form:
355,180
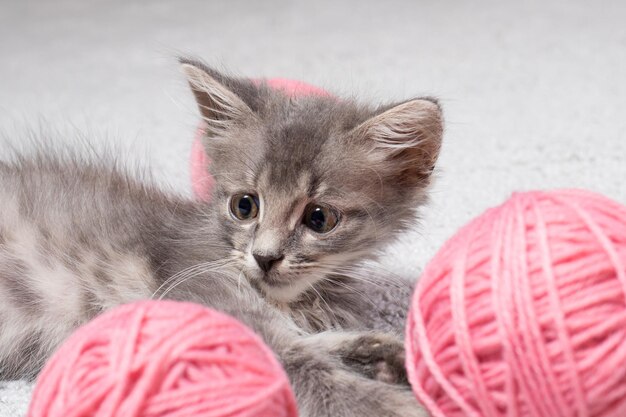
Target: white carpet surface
534,91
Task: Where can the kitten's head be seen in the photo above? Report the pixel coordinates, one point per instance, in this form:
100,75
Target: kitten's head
311,185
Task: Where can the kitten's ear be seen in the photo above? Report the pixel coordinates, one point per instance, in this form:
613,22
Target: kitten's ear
405,139
218,104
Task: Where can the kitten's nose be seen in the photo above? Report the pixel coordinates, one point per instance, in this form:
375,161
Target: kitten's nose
267,261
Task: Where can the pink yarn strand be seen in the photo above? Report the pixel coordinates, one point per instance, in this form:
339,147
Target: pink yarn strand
557,313
547,400
122,365
469,362
604,241
518,376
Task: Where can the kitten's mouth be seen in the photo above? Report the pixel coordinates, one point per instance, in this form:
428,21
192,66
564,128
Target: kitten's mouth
282,288
269,279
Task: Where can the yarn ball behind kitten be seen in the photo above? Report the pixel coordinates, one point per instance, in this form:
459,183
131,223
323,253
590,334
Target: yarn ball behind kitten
163,358
523,312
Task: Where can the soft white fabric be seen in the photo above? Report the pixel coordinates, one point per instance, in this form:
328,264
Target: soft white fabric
534,91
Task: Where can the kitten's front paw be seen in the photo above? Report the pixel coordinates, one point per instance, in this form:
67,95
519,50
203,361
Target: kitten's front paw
378,356
324,387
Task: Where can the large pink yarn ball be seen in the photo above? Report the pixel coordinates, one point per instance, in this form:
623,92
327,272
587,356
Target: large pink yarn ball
523,312
163,358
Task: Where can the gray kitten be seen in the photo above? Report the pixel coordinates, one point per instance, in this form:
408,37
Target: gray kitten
306,189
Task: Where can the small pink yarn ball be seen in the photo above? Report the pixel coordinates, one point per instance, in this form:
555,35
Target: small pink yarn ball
163,358
523,312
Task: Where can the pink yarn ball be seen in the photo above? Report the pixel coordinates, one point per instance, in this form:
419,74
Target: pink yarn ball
523,312
163,358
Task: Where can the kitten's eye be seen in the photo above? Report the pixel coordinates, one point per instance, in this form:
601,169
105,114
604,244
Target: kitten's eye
244,206
320,219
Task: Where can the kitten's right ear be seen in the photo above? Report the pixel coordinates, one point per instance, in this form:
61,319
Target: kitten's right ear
219,105
405,139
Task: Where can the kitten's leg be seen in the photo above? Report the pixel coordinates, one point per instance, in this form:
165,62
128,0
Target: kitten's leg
324,388
373,354
332,373
323,379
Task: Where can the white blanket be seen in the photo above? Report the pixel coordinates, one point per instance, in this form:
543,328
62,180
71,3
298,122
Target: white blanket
534,92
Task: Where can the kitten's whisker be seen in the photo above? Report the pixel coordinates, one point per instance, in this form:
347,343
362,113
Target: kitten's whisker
194,275
359,279
376,268
179,274
350,288
333,267
376,272
189,270
356,277
330,310
239,279
376,281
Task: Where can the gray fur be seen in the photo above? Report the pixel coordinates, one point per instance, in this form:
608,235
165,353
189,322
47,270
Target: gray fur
79,236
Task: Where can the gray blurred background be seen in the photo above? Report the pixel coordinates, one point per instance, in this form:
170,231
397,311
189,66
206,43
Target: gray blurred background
534,92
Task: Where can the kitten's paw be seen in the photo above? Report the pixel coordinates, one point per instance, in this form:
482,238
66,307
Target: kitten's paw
325,387
378,356
375,355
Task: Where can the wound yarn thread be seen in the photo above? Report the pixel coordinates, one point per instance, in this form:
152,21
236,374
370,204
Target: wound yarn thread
163,358
523,312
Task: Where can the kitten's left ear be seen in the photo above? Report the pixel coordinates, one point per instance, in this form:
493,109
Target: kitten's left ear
405,139
218,103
